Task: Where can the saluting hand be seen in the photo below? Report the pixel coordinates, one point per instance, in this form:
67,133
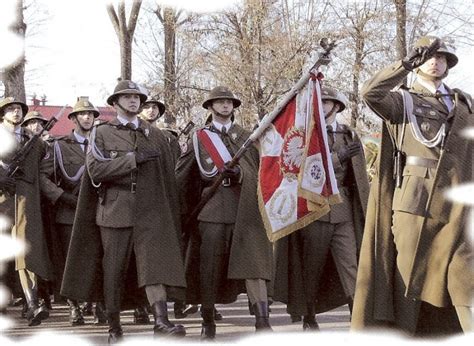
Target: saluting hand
419,55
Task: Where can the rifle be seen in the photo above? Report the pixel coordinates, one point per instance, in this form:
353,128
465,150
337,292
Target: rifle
323,59
21,154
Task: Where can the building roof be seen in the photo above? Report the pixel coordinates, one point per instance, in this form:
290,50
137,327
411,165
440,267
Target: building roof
64,126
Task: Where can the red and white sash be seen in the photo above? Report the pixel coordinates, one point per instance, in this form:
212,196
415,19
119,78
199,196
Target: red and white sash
215,148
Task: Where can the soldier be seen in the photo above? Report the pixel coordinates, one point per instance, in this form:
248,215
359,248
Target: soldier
152,110
415,269
34,122
228,246
61,175
316,266
130,163
20,201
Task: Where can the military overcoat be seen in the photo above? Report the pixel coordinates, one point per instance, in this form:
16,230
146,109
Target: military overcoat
154,215
441,270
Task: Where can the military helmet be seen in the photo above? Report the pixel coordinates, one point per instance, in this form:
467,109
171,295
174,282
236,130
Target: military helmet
33,115
9,101
334,95
425,41
221,92
83,105
125,87
151,100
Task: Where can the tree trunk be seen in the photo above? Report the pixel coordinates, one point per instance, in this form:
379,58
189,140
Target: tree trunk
401,7
354,98
125,33
14,76
169,25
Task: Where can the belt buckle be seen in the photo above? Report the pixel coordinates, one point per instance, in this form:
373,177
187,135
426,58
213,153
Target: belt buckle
226,182
133,187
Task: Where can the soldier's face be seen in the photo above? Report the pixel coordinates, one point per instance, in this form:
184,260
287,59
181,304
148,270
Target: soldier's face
34,126
150,112
130,102
435,66
13,113
328,105
84,120
223,107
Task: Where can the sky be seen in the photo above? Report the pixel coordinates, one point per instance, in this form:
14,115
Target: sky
76,52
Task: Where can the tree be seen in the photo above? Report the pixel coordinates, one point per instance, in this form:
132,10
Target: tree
13,76
125,32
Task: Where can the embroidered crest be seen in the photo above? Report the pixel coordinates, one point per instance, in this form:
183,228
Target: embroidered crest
132,85
292,153
314,172
282,206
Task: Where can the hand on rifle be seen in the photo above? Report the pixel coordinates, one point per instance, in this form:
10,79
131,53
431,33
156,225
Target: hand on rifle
232,173
419,55
349,151
7,184
68,199
145,156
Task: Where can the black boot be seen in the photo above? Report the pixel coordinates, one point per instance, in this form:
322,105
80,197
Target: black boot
162,325
217,315
35,313
208,331
262,322
309,320
100,317
115,329
140,315
191,309
178,308
24,309
75,313
87,309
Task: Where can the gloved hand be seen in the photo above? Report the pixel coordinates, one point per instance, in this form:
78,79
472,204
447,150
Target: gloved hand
419,55
68,199
231,173
145,156
7,184
352,149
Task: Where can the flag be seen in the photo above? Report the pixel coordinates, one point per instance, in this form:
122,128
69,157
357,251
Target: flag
296,182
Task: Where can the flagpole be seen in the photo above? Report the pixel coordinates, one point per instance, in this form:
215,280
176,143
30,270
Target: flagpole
323,59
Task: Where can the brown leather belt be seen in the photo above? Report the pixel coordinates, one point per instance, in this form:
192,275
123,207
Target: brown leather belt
421,162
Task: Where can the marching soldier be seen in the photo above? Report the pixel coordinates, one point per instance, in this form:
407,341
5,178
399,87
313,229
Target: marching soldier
152,110
316,266
20,201
228,246
415,270
130,164
61,175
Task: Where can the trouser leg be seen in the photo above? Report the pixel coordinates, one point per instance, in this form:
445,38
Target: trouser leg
466,316
257,293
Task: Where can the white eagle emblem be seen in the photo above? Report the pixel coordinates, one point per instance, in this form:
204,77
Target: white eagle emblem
292,152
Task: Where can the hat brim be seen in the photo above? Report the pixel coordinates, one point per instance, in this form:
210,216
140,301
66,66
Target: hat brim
23,106
208,102
111,98
96,113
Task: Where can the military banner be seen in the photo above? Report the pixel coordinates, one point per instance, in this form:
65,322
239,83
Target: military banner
296,178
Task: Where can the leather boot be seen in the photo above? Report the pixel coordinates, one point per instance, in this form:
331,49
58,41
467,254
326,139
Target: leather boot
100,318
178,308
309,320
162,325
208,330
217,315
35,313
115,329
75,313
140,315
87,309
262,322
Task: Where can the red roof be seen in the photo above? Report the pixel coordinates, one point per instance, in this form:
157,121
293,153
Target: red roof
64,126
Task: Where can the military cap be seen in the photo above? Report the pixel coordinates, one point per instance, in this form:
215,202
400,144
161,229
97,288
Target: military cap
426,41
33,115
335,96
9,101
125,87
83,105
151,100
221,92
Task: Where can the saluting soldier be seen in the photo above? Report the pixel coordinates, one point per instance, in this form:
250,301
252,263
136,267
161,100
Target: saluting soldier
20,202
61,175
415,269
229,245
152,110
316,267
130,163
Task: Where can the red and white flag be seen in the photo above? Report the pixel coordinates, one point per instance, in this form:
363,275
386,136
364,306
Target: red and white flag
296,181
